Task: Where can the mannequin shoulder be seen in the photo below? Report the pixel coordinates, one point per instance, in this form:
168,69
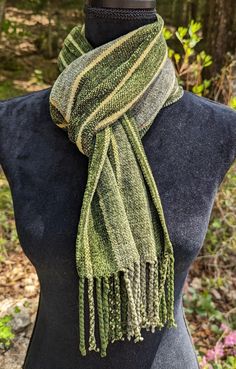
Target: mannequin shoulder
198,130
23,106
21,115
207,118
216,114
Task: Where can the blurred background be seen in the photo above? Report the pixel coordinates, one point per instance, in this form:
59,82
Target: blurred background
201,35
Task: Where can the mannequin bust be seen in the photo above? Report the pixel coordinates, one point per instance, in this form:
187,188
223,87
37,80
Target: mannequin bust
190,147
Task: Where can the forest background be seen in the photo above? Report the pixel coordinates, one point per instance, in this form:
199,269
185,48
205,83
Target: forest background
201,35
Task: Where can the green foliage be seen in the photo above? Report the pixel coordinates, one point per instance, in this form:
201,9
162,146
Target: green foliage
202,304
7,91
221,235
17,309
39,5
37,77
13,29
189,37
227,363
6,333
190,63
230,362
232,102
8,234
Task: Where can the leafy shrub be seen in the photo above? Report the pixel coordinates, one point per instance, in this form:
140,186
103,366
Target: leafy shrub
190,63
8,234
6,333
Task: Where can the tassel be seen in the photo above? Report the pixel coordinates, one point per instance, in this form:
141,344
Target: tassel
170,294
92,340
137,295
118,329
163,310
111,311
103,345
150,295
124,305
143,294
156,299
128,301
81,317
133,315
127,276
106,307
163,271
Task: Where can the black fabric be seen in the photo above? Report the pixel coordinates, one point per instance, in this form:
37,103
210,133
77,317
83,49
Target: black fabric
103,24
121,4
119,13
190,147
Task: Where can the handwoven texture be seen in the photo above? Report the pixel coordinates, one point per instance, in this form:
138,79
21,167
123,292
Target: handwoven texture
106,99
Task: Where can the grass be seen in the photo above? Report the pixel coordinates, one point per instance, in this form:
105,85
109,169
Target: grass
8,90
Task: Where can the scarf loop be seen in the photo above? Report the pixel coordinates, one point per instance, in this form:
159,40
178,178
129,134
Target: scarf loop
106,98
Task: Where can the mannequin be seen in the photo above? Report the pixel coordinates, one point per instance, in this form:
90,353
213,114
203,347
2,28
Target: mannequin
190,147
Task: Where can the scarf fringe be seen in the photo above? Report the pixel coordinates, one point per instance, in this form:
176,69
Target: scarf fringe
127,301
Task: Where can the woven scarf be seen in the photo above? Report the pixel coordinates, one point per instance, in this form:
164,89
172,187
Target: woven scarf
106,98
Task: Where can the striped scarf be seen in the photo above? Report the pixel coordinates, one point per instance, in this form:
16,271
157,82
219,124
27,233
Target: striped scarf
106,98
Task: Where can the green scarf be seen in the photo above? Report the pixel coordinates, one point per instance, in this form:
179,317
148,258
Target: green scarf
106,99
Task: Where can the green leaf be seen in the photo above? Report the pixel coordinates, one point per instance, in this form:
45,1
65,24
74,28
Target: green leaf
232,102
6,334
198,89
177,57
167,34
170,53
181,32
194,27
17,309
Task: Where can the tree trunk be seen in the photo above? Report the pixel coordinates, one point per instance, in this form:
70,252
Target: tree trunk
219,30
2,12
50,52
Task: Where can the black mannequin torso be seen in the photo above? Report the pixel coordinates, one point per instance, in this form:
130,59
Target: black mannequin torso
190,147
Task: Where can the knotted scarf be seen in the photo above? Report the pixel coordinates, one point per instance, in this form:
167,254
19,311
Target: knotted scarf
106,98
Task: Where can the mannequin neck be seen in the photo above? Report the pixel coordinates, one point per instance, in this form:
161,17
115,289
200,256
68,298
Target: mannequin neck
106,24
